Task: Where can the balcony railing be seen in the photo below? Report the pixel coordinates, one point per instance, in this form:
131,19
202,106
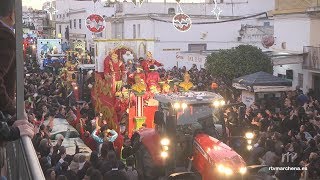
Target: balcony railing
21,160
311,59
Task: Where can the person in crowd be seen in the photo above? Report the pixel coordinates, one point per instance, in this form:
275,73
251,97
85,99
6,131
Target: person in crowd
112,164
104,135
50,174
10,130
257,151
131,172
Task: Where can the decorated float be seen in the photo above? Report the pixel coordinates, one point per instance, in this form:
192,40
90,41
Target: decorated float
111,94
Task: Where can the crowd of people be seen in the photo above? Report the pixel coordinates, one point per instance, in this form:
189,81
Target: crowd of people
289,138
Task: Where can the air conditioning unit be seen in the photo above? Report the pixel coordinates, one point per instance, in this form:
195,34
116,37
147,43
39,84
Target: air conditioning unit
157,39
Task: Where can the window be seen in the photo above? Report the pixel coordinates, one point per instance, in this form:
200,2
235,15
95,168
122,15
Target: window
134,31
300,80
80,24
171,11
70,24
266,24
60,29
139,31
197,47
75,23
289,74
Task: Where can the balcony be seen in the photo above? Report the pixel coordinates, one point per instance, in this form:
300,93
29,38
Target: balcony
295,6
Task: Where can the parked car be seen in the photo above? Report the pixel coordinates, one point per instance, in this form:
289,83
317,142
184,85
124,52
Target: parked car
71,135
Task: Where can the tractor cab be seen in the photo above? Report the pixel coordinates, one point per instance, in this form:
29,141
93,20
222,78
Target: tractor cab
187,138
181,116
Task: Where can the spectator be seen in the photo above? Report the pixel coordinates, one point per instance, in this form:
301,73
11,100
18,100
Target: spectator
50,174
62,177
95,175
112,164
131,172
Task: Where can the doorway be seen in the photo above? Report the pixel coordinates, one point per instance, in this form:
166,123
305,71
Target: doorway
316,85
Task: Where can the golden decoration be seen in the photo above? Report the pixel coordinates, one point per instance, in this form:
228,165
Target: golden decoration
139,86
186,85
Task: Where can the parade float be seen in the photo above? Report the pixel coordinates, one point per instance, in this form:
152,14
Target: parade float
110,95
49,51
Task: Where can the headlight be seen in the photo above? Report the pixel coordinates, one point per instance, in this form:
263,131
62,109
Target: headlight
76,87
165,142
164,154
184,105
249,147
176,105
243,170
222,103
249,141
216,103
224,170
249,135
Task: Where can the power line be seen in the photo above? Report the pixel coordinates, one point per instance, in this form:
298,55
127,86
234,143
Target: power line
217,22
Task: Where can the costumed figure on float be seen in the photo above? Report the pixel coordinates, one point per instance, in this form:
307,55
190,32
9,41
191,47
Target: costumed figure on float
153,79
114,69
149,61
139,72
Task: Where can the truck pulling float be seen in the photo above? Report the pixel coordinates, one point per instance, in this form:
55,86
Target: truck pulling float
182,132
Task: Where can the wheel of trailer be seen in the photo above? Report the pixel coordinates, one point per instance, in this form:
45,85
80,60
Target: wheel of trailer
145,166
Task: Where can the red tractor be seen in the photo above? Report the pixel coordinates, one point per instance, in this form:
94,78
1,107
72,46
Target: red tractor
185,141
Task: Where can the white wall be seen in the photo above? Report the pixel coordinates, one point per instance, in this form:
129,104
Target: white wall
294,30
79,10
238,8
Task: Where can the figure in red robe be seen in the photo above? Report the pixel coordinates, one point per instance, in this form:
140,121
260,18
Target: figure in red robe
153,79
138,72
115,70
148,62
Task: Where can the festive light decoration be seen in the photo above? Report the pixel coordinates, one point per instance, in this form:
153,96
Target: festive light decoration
94,23
181,21
216,10
267,41
51,10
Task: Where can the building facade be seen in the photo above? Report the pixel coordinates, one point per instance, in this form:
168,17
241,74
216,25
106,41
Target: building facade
154,21
70,23
297,38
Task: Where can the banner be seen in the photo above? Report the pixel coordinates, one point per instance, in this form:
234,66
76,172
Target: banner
192,58
247,98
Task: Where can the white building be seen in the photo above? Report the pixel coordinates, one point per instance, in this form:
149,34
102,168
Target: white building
297,27
72,15
146,22
35,22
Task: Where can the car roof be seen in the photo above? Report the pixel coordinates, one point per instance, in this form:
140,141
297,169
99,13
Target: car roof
60,125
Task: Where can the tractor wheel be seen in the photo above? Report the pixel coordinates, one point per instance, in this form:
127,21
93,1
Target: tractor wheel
144,164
